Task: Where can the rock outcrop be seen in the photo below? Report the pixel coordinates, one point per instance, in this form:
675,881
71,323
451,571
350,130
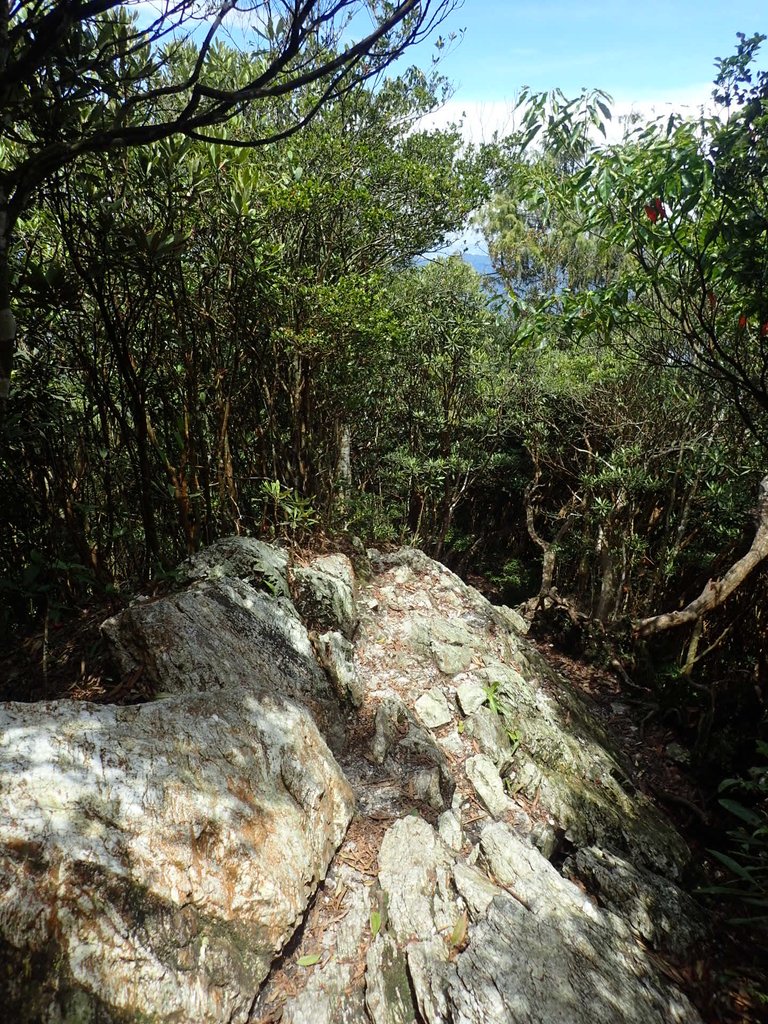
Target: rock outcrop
347,805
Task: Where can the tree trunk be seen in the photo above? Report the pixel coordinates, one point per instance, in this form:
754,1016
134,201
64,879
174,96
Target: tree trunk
716,591
606,605
548,548
344,464
7,319
610,551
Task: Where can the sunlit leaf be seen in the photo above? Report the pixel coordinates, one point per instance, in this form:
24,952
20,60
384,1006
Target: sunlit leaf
309,960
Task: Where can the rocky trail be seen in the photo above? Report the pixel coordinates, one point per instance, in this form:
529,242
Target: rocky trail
356,795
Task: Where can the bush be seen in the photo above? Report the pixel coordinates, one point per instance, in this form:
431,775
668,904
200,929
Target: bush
747,862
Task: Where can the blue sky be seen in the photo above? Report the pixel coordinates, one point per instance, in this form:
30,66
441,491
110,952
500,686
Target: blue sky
651,56
642,51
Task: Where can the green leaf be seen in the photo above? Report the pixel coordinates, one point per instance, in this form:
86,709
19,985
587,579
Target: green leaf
742,812
375,922
733,866
604,109
459,933
688,204
309,960
530,135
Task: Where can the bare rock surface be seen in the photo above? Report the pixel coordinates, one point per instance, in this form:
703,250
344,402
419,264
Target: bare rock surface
230,632
667,918
477,925
218,634
155,859
336,992
324,593
336,655
433,708
201,845
263,566
562,759
530,948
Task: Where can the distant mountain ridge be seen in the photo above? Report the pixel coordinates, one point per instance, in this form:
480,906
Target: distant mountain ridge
481,261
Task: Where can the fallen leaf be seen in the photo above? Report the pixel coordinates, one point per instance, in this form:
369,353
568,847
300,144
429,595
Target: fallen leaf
309,960
459,933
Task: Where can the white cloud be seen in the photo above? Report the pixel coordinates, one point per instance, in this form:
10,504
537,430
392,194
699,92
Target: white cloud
187,16
480,120
691,102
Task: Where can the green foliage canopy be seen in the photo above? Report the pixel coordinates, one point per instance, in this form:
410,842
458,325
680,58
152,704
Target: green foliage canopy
90,76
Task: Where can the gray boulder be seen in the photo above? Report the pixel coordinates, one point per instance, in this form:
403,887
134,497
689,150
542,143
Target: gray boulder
155,859
530,949
324,594
262,566
656,910
218,635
